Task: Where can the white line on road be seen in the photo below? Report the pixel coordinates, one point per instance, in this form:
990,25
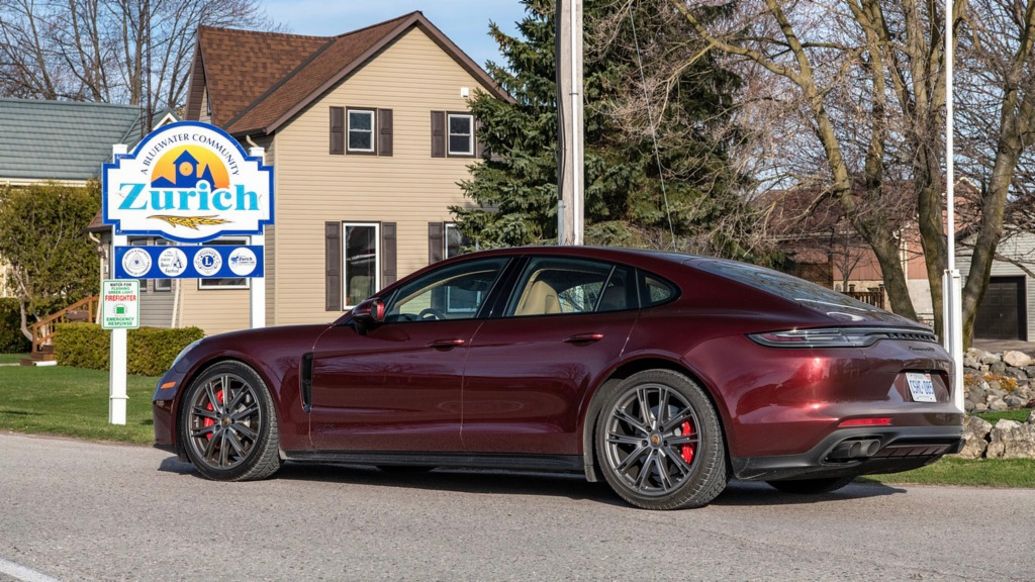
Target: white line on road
22,573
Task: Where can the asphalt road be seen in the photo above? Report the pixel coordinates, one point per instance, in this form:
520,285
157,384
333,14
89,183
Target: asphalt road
77,511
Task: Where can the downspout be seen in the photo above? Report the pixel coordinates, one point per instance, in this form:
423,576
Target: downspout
102,252
174,320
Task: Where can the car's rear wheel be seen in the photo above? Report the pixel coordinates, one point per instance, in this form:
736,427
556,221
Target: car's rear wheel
228,424
659,441
811,486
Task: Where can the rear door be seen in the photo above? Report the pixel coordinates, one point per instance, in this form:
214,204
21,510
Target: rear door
565,323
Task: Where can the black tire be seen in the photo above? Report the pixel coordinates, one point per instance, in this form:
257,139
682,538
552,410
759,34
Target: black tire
246,429
689,484
811,486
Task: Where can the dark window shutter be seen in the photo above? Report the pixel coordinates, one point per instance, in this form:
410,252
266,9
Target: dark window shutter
388,254
384,132
438,134
479,151
436,237
332,273
337,130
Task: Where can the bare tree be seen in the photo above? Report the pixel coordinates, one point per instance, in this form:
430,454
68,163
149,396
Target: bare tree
123,51
866,78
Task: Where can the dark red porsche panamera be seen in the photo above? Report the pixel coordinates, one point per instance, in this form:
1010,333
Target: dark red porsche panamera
664,374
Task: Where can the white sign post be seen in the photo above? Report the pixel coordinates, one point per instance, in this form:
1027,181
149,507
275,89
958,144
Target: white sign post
257,292
117,395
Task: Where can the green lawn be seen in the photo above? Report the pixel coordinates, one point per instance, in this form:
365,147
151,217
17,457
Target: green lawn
979,473
1020,415
12,358
72,402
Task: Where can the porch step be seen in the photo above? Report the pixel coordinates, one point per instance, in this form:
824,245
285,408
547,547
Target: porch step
44,357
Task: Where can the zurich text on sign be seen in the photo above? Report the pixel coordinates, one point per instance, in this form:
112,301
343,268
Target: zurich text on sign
189,182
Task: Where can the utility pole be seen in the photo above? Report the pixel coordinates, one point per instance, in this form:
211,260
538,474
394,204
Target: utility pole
570,170
952,295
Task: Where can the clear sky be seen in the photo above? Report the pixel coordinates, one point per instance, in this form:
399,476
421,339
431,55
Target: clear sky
466,22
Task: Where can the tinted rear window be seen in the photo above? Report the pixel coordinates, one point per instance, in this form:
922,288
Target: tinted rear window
783,285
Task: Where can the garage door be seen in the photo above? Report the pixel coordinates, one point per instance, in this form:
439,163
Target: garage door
1001,314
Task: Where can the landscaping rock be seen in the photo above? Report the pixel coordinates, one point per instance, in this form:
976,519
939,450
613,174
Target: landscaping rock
1017,359
972,359
978,427
1014,401
1031,418
980,407
1011,440
1017,373
988,358
997,367
997,404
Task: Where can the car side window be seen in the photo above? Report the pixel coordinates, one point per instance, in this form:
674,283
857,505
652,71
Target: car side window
453,292
552,285
656,291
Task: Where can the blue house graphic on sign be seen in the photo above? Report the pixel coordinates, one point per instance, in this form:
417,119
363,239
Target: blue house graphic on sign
186,167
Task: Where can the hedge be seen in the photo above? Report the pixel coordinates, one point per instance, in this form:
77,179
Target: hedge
12,341
150,353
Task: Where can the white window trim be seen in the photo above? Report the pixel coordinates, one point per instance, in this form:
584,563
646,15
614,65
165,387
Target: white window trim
222,287
450,134
373,130
344,260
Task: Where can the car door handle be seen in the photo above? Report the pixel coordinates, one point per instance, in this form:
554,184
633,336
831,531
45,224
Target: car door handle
585,338
447,343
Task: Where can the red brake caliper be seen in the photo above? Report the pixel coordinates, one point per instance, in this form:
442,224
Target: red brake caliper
687,451
210,421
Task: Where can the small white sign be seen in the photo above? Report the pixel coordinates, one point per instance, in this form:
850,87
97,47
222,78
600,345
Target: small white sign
136,262
120,304
243,261
207,261
172,262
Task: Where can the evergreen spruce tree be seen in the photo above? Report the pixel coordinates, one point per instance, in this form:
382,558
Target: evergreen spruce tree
513,192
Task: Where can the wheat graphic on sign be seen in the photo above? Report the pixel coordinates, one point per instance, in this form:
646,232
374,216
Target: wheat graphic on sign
192,222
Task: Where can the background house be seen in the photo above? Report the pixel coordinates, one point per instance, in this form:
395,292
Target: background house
59,141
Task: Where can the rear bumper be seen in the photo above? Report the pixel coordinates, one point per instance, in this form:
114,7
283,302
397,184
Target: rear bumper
901,449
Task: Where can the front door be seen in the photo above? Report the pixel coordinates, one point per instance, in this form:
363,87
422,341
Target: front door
527,372
396,386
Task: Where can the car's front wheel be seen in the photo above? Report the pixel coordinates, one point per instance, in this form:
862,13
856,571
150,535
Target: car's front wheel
228,424
659,441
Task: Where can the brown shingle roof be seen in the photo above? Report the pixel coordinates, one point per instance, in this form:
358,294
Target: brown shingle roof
240,65
256,81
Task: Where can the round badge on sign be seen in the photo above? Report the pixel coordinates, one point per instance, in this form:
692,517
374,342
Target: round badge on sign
172,262
242,261
136,262
207,262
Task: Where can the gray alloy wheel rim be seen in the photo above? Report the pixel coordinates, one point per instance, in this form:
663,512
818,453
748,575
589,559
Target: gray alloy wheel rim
223,436
644,437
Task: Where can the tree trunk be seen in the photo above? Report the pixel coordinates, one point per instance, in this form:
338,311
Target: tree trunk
886,248
25,320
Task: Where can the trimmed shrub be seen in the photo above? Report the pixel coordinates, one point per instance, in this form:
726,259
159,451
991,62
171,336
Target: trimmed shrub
150,352
11,339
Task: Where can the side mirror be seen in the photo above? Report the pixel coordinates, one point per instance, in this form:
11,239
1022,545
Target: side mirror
369,312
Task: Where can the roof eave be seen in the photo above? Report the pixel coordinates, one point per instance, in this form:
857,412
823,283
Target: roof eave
416,19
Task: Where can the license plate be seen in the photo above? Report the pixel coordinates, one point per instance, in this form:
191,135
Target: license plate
921,387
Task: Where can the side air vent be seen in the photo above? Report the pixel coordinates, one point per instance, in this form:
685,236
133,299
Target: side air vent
305,381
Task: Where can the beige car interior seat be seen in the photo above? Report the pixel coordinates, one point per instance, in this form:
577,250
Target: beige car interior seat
539,298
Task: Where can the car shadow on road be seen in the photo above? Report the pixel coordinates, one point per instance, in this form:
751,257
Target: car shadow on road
738,493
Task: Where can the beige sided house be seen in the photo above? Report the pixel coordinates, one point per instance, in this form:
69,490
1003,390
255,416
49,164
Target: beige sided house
368,133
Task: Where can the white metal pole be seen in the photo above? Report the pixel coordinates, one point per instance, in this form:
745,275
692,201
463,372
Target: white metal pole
952,296
117,351
257,289
576,121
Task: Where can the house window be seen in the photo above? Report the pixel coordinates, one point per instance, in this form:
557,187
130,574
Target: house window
230,283
454,241
362,258
461,134
361,130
